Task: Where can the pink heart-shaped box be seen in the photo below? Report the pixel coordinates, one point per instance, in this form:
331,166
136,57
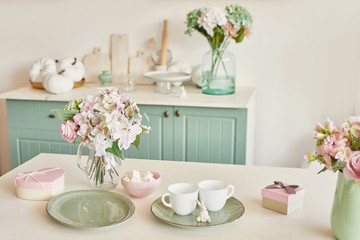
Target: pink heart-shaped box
42,184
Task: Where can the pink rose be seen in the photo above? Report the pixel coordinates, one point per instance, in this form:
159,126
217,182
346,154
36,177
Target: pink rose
68,131
352,168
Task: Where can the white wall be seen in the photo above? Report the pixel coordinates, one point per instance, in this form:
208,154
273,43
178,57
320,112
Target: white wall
303,56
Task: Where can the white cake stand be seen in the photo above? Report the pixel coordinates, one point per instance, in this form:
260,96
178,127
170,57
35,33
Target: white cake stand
164,80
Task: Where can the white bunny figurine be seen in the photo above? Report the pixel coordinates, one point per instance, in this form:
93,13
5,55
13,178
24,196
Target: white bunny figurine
204,214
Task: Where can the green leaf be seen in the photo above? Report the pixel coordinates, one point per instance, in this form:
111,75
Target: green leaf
240,36
64,115
116,150
358,184
338,165
355,145
319,142
322,170
144,130
218,35
136,143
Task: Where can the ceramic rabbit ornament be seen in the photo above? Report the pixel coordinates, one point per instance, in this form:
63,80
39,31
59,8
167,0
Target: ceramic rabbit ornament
204,214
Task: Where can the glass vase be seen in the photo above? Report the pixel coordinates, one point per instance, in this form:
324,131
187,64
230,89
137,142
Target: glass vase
345,214
218,70
102,172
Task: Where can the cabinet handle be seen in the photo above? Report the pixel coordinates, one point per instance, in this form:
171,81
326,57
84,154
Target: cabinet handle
166,114
51,116
177,113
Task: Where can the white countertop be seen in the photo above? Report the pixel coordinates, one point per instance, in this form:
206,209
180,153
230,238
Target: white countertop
24,219
144,94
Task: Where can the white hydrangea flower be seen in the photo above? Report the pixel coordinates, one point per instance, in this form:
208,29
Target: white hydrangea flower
116,122
101,144
129,136
212,17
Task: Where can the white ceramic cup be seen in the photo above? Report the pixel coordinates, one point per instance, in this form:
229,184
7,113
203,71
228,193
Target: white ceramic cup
182,198
215,193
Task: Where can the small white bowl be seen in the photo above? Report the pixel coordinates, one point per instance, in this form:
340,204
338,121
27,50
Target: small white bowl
141,189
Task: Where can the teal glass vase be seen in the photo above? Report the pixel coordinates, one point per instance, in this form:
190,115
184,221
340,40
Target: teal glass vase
218,70
345,214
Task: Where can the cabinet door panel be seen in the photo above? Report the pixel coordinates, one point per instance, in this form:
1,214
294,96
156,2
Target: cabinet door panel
210,135
209,140
26,144
158,143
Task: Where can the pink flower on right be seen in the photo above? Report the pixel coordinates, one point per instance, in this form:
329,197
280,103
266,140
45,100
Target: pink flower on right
352,168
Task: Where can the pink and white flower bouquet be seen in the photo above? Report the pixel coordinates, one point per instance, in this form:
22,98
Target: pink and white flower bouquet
338,147
109,122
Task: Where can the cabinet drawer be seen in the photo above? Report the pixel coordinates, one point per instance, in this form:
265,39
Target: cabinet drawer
33,114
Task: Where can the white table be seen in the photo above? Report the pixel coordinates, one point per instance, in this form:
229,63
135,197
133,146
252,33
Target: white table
24,219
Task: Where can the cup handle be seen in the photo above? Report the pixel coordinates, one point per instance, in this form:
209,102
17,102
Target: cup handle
164,202
231,190
79,154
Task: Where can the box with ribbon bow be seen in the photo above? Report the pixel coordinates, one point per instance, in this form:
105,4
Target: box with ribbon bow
282,197
42,184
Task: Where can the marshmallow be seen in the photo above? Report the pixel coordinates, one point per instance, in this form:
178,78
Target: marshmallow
147,176
139,176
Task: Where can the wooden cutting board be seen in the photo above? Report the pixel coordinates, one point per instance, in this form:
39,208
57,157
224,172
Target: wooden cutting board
119,57
138,65
95,63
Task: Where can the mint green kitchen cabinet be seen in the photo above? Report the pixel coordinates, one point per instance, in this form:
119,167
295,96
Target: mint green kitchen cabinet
196,134
33,129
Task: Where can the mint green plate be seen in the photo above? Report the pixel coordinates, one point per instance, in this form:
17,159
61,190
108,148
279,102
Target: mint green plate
232,210
90,209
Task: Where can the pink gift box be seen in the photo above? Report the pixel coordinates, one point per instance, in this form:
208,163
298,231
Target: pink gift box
42,184
278,199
